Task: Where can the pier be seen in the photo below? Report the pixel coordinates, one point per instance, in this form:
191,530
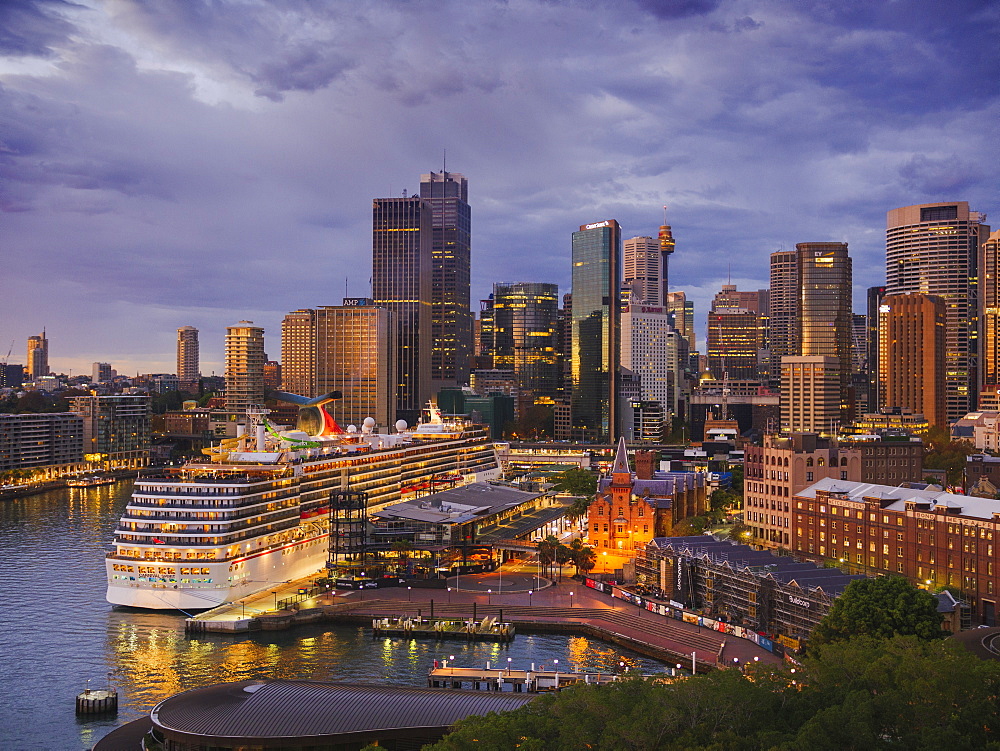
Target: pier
518,681
488,629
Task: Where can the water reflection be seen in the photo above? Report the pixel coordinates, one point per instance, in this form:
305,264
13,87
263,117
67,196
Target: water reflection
59,632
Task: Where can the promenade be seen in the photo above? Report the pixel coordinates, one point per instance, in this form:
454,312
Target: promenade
519,595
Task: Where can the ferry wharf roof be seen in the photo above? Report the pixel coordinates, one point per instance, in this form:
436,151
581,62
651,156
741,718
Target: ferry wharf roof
255,712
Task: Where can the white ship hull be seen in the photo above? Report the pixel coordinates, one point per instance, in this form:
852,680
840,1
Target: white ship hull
170,589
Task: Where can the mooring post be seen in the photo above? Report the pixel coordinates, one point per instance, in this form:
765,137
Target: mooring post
432,609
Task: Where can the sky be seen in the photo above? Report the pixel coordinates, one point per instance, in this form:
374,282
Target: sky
183,162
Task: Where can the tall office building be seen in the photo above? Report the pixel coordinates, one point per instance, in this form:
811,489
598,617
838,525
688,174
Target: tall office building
934,248
654,351
188,364
874,297
244,366
681,312
402,268
825,320
810,394
645,266
989,299
347,348
526,337
596,331
447,193
912,354
116,429
38,356
784,309
733,343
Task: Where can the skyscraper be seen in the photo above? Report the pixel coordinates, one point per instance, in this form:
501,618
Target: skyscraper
645,265
244,366
784,309
810,394
654,352
38,356
825,320
447,193
934,248
989,298
526,323
733,343
912,354
681,312
346,348
188,364
596,330
402,269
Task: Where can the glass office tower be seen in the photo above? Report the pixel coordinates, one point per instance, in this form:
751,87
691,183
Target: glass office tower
596,331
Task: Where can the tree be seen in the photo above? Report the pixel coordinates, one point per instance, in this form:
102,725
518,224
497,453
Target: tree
579,508
575,481
740,532
583,556
881,607
547,551
944,453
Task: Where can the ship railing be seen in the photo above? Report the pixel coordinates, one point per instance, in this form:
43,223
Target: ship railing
303,594
195,538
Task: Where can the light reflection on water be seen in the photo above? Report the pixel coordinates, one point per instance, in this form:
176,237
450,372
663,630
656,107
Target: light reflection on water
58,632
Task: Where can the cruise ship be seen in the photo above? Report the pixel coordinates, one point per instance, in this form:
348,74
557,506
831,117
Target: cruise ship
254,512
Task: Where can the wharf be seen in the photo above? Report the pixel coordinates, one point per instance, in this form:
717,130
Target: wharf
488,629
518,681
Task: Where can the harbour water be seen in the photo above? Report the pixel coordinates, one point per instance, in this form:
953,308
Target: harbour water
58,635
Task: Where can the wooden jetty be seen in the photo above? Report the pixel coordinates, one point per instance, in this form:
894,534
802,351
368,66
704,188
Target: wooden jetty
487,629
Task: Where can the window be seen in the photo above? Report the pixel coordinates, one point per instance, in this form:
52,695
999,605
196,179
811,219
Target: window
843,474
809,476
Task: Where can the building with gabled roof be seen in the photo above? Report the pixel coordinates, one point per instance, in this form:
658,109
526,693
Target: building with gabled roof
628,511
778,596
934,538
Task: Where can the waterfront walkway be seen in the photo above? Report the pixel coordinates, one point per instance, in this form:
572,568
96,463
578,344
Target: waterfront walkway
512,596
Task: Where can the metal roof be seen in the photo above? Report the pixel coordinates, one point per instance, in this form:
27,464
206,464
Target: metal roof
304,709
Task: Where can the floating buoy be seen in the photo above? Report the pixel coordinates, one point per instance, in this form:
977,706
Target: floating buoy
97,702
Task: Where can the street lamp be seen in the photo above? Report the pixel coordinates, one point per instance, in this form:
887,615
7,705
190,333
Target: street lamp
529,598
736,662
449,595
508,665
489,594
408,593
571,599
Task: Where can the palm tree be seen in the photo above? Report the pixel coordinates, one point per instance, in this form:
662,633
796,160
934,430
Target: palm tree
547,550
584,557
563,556
579,508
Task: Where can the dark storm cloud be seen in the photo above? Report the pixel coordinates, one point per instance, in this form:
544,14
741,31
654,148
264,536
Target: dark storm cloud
30,27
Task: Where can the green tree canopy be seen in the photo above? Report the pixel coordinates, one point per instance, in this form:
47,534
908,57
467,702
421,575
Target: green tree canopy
880,607
576,481
901,693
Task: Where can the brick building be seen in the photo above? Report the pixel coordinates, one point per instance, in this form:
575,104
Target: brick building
933,538
629,511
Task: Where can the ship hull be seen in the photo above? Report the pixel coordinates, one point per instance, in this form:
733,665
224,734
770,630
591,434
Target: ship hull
170,588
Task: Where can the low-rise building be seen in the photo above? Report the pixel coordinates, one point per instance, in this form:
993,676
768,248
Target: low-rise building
628,511
51,440
775,595
933,538
117,428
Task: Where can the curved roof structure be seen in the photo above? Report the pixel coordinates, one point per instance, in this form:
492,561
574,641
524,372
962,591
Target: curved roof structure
259,710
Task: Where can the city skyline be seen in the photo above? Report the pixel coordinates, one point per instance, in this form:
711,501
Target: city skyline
167,166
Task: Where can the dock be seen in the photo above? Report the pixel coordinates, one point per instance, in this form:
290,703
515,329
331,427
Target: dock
518,681
488,629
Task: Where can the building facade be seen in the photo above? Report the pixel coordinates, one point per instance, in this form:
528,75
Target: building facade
188,359
935,249
784,309
345,348
652,349
934,539
628,512
989,300
402,271
38,356
733,343
525,337
824,321
244,366
912,355
810,394
116,429
596,331
782,466
447,194
40,440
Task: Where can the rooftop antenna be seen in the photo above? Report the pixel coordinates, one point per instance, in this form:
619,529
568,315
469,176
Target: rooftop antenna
444,162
